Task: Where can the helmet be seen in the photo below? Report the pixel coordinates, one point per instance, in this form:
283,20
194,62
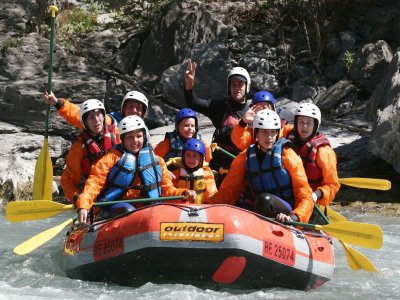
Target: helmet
263,96
309,110
267,119
240,72
138,96
131,123
195,145
186,113
89,105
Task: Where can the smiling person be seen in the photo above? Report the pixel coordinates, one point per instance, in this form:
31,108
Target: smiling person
134,103
92,143
186,127
318,157
192,171
223,113
274,172
130,170
242,133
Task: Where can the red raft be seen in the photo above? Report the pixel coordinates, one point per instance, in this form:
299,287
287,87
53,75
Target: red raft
204,245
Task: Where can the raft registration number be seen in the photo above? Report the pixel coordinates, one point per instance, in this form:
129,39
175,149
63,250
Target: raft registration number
279,252
177,231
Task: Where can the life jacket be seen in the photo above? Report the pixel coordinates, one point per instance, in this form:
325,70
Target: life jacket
308,154
116,117
270,176
92,151
176,144
122,174
192,181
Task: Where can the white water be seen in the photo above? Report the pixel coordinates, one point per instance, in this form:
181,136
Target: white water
39,275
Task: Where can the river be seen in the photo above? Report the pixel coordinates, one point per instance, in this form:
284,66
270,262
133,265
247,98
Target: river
39,275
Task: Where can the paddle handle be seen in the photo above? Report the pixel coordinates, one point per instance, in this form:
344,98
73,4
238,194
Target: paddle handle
215,146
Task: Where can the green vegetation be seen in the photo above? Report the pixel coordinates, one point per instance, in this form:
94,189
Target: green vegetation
77,20
348,60
12,43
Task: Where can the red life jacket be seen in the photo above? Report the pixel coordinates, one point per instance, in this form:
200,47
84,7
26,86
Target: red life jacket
92,151
308,154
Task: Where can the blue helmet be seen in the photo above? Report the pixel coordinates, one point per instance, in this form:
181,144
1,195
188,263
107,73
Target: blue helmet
186,113
195,145
263,96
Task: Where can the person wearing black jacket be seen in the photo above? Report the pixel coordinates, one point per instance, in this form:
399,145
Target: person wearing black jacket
224,113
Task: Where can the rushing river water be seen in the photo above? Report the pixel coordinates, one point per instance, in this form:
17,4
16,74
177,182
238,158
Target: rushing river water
39,275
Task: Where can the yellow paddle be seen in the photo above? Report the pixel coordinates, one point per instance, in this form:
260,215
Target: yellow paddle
43,176
367,183
355,259
41,238
360,234
19,211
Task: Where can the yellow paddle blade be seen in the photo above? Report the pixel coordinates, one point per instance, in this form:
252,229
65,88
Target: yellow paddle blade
333,216
360,234
41,238
357,260
43,177
19,211
367,183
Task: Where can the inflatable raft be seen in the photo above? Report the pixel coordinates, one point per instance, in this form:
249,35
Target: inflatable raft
208,246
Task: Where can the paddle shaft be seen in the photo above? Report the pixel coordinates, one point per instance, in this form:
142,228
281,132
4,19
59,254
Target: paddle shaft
144,200
50,71
214,145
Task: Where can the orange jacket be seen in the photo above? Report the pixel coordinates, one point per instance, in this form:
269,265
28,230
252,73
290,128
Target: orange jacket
71,178
235,182
71,113
162,149
98,178
242,137
209,181
326,161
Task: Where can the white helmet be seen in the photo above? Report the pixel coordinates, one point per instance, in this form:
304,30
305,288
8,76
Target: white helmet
131,123
138,96
241,73
89,105
267,119
309,110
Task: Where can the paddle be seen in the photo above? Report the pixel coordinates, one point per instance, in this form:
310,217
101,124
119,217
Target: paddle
43,176
45,236
355,259
41,238
360,234
367,183
215,146
19,211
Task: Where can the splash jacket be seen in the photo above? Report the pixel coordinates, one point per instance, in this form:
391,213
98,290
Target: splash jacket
84,152
172,146
320,163
98,179
201,180
242,134
235,182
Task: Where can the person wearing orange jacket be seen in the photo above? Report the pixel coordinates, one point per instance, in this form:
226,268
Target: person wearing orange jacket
186,127
134,103
92,143
193,172
242,133
274,172
318,157
130,170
